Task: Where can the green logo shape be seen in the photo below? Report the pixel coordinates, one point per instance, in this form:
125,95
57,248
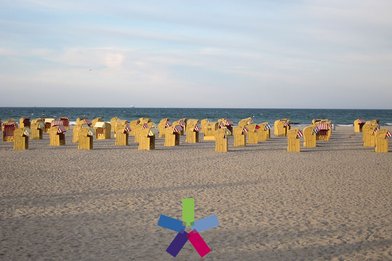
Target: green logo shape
188,211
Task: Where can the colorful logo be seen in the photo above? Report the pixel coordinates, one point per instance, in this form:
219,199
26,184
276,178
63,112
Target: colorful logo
188,221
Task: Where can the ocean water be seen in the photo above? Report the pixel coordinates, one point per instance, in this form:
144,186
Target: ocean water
298,116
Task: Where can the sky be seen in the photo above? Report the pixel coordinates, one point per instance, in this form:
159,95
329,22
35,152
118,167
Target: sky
204,53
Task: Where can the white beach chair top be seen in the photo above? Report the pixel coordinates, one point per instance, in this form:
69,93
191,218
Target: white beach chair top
100,124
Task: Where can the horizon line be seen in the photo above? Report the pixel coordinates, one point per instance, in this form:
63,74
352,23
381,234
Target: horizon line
165,107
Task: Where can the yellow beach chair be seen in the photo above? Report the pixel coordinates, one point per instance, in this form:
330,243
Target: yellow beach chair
192,131
134,126
281,127
172,136
382,136
8,130
57,135
253,133
310,134
203,125
65,122
78,125
324,129
21,139
239,134
102,130
221,142
24,122
48,124
368,133
122,133
37,127
163,124
225,123
264,132
358,124
113,123
181,122
209,131
86,135
146,139
293,140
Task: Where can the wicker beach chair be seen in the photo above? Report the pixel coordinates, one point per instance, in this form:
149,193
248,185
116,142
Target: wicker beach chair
102,130
253,133
163,124
382,140
182,123
369,130
146,139
48,124
225,123
122,133
192,131
293,140
86,137
281,127
221,142
65,121
310,133
139,128
78,125
172,136
134,125
24,122
239,134
21,138
37,129
324,127
57,134
210,130
8,130
113,123
203,125
358,125
264,131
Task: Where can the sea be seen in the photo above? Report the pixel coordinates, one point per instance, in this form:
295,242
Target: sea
296,116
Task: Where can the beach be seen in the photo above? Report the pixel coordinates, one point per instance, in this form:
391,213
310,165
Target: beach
330,202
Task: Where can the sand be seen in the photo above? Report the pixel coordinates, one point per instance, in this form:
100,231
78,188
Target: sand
331,202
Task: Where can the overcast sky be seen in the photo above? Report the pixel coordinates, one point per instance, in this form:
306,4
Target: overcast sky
204,53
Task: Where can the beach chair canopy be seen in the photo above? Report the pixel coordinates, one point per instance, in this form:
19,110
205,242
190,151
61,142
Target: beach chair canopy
9,128
245,121
175,129
56,123
65,121
49,120
225,123
100,124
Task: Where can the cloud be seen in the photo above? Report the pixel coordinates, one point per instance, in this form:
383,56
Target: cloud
256,53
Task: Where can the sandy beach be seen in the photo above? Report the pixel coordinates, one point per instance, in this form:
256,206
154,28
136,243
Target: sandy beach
331,202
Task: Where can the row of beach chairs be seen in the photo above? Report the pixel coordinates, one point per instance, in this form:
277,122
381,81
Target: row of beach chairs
372,134
145,131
